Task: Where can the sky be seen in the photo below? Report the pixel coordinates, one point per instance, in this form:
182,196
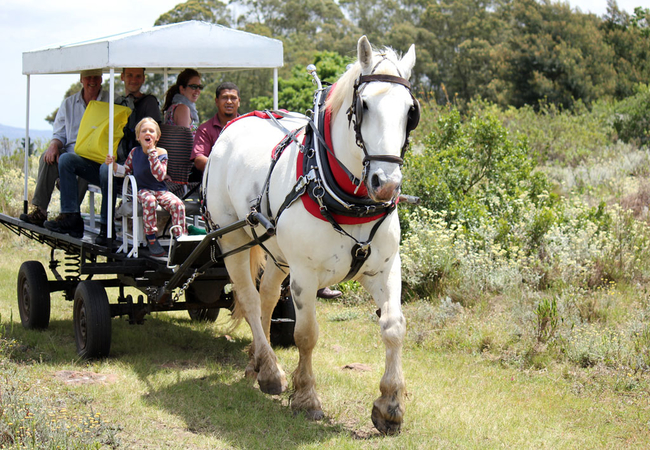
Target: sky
33,24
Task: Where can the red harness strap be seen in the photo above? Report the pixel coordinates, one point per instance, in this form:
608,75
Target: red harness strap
260,114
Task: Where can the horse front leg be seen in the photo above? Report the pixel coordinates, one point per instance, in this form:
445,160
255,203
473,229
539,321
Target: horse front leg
263,363
304,397
388,410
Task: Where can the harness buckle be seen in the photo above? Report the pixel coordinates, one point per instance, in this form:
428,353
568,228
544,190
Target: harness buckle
361,249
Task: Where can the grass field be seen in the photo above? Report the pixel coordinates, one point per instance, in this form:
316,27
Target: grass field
173,383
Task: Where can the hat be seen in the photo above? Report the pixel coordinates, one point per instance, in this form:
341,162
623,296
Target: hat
91,73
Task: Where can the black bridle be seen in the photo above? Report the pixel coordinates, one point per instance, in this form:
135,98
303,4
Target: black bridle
355,112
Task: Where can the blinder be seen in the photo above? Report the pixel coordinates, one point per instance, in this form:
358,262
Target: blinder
413,116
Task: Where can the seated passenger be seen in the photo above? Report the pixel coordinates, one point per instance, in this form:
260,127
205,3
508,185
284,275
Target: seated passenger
180,101
64,138
227,101
72,165
148,164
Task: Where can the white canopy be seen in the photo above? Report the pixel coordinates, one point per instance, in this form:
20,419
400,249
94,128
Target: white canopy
194,44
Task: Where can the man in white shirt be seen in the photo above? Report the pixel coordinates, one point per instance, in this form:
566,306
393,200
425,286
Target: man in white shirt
64,137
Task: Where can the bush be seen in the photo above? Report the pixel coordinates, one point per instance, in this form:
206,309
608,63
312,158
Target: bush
472,168
632,122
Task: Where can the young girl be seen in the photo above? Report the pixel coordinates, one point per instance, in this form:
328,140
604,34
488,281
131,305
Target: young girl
148,164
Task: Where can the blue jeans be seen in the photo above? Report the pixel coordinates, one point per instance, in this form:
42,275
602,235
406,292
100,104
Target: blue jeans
72,166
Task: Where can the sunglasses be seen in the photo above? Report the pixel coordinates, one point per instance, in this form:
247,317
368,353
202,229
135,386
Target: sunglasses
196,86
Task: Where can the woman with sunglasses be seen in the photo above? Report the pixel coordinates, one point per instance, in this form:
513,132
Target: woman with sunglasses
180,101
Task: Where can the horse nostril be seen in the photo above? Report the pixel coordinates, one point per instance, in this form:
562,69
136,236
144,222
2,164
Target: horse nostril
375,182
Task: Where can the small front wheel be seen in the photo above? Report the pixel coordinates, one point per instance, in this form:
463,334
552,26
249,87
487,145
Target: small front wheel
204,314
33,296
201,314
92,320
283,320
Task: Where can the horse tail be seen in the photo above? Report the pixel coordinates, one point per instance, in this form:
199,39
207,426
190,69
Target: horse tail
257,263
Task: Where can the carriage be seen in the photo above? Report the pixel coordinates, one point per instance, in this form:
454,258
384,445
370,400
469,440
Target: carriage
82,270
273,182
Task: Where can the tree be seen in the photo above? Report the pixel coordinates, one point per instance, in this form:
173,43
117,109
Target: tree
555,55
297,92
464,35
213,11
629,38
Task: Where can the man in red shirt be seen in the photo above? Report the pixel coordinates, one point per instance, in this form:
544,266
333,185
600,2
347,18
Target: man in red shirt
227,101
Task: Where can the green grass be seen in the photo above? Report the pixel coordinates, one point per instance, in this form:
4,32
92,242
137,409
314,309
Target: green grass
179,384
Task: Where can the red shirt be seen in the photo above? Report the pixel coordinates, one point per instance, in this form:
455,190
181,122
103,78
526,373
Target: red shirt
205,137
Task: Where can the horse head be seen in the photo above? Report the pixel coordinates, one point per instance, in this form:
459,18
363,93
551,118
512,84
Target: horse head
381,112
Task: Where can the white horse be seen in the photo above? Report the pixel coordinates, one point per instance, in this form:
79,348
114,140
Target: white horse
369,142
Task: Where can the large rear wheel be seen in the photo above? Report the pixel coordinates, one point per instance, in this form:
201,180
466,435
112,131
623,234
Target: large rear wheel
92,320
33,296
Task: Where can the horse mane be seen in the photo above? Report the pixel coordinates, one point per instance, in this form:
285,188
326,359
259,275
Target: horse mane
345,83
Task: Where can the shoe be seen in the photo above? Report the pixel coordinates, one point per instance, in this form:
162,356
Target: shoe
67,223
102,237
155,248
328,293
36,217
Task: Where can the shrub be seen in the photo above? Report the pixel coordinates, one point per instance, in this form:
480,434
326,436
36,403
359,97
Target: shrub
632,122
472,168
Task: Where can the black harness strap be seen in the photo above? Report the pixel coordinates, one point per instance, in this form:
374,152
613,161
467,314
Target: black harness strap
360,250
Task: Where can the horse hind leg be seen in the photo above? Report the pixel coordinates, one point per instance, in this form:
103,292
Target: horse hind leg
270,291
263,364
304,398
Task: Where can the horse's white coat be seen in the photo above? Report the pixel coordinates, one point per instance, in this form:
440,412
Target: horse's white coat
317,255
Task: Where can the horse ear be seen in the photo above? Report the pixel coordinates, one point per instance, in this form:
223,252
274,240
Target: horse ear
408,61
364,53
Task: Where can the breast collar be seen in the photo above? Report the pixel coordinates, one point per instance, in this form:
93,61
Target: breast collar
356,207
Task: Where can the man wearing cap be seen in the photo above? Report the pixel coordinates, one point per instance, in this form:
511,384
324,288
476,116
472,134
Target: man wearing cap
73,166
64,137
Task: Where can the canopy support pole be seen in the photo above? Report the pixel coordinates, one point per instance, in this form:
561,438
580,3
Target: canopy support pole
111,119
275,88
25,203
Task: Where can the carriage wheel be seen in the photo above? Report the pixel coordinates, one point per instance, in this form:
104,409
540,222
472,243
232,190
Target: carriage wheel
283,320
33,296
92,320
204,314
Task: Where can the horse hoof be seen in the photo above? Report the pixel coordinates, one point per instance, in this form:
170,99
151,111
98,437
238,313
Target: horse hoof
311,414
272,387
315,414
385,426
250,373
